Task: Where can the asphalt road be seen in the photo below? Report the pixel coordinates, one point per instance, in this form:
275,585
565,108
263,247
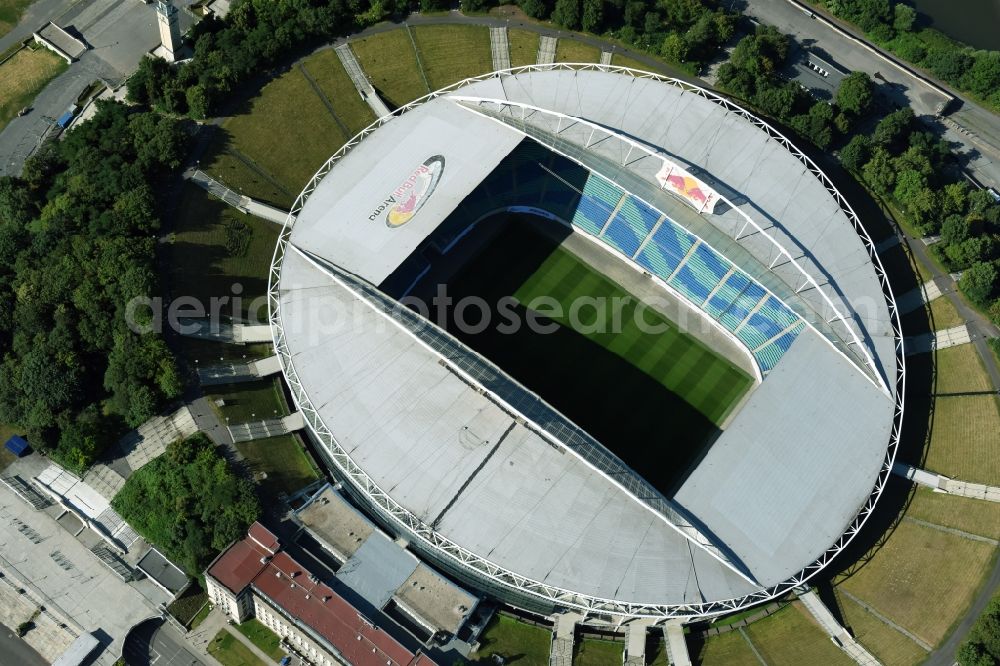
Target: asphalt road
13,650
157,642
979,144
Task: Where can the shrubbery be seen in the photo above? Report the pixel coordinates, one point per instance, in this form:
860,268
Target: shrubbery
77,243
188,502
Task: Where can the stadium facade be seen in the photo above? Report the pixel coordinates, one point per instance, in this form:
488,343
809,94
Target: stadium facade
486,479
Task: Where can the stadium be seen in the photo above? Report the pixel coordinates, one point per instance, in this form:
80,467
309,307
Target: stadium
714,464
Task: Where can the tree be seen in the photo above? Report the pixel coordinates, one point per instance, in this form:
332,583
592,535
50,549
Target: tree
879,172
777,101
983,77
903,17
892,130
982,647
567,14
855,93
537,9
593,15
909,183
197,101
817,125
857,151
980,283
674,48
955,229
948,63
971,251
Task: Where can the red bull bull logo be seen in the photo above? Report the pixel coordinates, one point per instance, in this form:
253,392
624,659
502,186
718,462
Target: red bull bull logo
407,199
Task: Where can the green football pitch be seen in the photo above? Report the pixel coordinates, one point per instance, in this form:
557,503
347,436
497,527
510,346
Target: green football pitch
655,400
679,362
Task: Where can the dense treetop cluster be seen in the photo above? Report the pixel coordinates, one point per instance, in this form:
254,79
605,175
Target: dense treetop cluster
77,244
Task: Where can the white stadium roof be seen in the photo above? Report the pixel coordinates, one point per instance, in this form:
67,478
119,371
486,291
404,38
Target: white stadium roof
464,470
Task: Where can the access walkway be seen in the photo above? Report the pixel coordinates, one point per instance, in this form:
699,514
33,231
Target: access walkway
677,650
635,641
245,432
234,373
546,50
500,48
918,297
361,82
241,202
563,638
840,636
928,342
943,484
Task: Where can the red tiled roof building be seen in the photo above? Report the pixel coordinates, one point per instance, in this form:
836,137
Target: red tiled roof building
255,578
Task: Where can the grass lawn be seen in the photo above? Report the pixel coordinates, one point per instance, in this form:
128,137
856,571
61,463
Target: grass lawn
570,50
248,401
960,370
286,130
937,316
729,649
659,67
595,652
227,649
209,351
922,578
962,513
215,247
679,362
24,76
451,53
331,77
232,172
283,460
888,645
262,637
520,642
523,47
390,62
791,637
944,315
10,14
963,443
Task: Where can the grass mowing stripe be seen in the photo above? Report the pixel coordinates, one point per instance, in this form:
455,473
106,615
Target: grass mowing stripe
679,362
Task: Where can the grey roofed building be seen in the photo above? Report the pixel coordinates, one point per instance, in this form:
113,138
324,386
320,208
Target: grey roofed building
486,492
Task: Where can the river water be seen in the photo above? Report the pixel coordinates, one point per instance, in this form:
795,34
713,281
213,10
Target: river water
975,22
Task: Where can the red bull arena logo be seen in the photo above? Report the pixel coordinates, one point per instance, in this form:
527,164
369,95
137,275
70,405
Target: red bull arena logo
404,202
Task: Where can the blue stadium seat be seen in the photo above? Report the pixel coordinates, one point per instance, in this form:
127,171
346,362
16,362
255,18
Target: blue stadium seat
665,249
599,200
768,356
631,225
700,275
